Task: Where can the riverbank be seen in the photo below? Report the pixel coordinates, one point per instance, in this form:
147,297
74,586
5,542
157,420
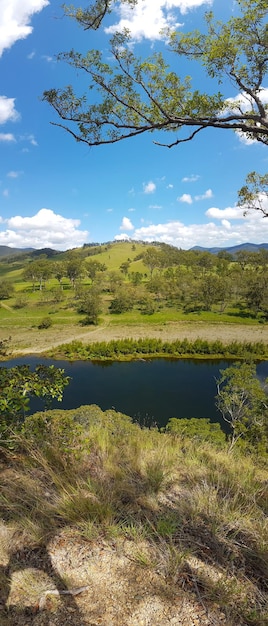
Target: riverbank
29,340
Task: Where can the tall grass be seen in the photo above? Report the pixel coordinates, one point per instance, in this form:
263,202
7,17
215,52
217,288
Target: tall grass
196,515
125,348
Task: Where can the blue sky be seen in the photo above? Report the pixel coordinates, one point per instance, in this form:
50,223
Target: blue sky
57,193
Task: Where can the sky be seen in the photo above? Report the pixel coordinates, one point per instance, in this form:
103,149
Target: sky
57,193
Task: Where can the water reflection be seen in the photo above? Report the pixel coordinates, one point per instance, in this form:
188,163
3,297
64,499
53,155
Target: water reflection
151,391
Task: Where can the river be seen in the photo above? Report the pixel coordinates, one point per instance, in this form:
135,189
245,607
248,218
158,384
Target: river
148,391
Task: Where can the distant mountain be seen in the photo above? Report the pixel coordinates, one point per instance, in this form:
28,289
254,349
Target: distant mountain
249,247
7,251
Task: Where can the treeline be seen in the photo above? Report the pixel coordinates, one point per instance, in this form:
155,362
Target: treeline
143,280
124,348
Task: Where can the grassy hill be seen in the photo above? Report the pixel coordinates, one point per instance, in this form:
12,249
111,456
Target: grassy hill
147,527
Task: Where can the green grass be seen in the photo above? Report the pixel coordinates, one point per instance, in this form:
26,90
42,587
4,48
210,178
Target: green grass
171,315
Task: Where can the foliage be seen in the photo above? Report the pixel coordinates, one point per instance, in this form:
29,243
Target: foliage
254,193
123,301
134,348
136,95
197,429
4,344
18,384
6,290
243,403
46,322
54,429
90,304
38,271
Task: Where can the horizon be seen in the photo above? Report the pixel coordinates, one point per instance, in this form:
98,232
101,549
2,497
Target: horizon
57,193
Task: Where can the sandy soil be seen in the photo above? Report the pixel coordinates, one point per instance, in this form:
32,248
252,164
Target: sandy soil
34,341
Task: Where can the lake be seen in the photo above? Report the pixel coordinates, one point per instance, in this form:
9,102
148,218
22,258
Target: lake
149,391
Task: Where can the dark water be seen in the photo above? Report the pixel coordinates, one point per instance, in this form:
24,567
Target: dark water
146,390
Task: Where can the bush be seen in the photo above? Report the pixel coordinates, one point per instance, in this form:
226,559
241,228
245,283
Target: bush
6,290
199,429
46,322
20,302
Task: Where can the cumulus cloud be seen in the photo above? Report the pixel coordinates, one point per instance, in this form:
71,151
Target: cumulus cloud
9,137
122,237
251,228
8,112
231,213
15,18
186,197
149,18
126,224
204,196
45,229
149,187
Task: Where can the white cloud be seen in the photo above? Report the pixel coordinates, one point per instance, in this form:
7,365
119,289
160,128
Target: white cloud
13,174
155,206
42,230
122,237
131,210
149,187
225,227
149,17
170,186
8,112
15,18
190,179
7,137
186,197
126,224
6,193
30,138
231,213
31,55
226,223
237,212
204,196
250,229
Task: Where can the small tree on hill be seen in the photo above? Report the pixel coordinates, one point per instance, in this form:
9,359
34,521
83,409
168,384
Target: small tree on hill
243,403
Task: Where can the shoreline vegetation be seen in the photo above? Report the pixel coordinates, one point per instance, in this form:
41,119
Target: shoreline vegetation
28,340
128,349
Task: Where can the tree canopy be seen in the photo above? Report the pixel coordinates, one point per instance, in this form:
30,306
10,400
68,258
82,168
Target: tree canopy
131,95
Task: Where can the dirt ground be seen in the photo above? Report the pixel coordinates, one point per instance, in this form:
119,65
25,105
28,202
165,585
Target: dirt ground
33,341
116,590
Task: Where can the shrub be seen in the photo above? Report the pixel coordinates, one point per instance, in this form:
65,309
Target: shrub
46,322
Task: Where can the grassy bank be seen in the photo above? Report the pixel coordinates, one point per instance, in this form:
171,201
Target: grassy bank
126,349
180,512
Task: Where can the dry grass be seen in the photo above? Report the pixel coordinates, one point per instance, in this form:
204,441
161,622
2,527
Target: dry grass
28,340
191,515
